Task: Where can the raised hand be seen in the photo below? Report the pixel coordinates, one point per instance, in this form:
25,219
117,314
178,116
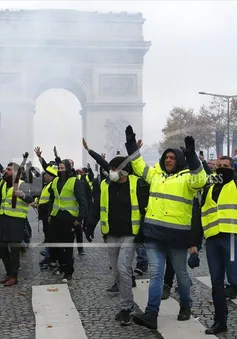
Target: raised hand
139,143
85,145
130,135
38,152
55,152
189,148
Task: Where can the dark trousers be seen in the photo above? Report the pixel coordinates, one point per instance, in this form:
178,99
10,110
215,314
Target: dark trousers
218,249
27,232
45,229
79,237
46,237
62,231
11,258
169,273
142,261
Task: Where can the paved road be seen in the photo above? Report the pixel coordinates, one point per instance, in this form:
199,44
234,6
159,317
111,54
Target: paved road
96,308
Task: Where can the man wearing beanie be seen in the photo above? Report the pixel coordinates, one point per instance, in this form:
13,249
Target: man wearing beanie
167,225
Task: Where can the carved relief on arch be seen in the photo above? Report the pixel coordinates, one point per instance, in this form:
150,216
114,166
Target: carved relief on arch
118,84
115,136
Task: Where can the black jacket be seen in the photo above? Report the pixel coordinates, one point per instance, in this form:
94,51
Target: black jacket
119,207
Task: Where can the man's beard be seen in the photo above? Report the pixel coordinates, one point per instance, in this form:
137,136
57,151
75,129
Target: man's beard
8,179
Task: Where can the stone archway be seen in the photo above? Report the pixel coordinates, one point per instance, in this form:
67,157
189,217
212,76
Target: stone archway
97,57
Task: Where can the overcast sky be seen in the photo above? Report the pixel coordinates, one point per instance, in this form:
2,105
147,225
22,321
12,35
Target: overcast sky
193,49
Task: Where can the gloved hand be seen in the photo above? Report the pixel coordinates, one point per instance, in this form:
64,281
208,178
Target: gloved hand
189,149
139,239
25,155
193,260
130,135
89,232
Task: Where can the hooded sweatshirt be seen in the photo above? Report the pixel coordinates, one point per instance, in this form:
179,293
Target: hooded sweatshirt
169,237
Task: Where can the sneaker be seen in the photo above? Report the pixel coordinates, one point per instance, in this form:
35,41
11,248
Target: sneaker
44,266
216,328
118,315
81,251
58,271
53,264
148,320
140,270
4,280
230,292
113,289
45,261
166,292
67,278
184,313
124,317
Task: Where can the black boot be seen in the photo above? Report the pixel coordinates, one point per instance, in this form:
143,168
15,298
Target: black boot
140,270
148,320
230,292
216,328
184,313
166,292
44,264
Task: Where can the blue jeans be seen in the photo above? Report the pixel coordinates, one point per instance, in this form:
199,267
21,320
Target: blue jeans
141,257
156,258
218,251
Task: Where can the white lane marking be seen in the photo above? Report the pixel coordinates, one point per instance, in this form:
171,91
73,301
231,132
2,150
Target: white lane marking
168,325
206,280
56,316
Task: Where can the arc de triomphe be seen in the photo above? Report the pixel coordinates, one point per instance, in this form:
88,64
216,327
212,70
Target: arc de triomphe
96,56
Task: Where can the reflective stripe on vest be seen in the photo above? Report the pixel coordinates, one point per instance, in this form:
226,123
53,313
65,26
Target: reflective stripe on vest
171,201
220,217
22,207
45,195
65,201
104,205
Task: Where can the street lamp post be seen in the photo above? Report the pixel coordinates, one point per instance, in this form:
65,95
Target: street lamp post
227,97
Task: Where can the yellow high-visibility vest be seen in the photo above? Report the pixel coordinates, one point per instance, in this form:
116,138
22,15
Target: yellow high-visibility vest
104,205
45,195
171,196
22,207
66,200
220,217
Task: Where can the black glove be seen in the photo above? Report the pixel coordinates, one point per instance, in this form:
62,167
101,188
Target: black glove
57,160
130,135
189,149
89,233
25,155
193,260
139,239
